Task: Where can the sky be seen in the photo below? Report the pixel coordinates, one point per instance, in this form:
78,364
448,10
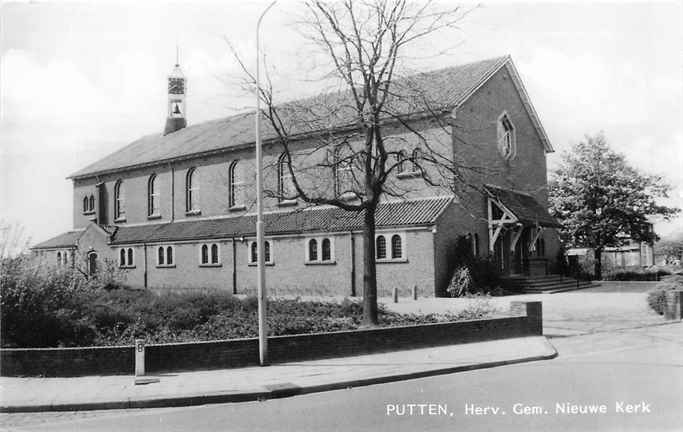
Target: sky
80,80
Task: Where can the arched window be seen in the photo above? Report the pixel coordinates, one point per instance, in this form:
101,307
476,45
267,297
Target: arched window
59,258
205,254
214,254
266,249
65,257
475,245
343,173
130,257
119,209
152,196
284,179
86,207
326,249
235,186
381,247
169,255
122,258
506,137
192,191
160,256
400,162
91,203
92,264
396,247
253,253
417,160
313,250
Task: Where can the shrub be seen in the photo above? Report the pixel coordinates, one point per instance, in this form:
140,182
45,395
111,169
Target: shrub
656,298
472,274
637,275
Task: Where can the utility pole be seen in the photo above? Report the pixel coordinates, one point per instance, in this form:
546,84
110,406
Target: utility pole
261,267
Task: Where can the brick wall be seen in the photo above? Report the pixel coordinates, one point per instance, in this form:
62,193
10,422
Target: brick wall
244,352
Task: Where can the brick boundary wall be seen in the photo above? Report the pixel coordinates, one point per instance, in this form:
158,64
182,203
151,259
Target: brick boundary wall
174,357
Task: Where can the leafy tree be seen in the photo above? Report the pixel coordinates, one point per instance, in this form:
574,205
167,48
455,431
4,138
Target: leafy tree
601,200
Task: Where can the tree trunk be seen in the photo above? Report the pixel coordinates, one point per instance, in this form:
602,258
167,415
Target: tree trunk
370,270
598,263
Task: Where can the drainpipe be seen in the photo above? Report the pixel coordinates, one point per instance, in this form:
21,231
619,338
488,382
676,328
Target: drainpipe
172,192
234,266
353,265
144,247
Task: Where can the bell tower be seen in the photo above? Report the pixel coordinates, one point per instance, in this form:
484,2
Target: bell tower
177,85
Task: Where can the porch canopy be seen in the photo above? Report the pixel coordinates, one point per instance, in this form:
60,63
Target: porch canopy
508,209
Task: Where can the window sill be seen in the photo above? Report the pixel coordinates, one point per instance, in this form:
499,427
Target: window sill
126,267
193,213
154,216
237,208
407,175
165,265
320,263
267,264
391,261
211,265
89,213
120,220
287,203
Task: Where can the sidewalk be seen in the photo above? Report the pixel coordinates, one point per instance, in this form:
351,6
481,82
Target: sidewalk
253,383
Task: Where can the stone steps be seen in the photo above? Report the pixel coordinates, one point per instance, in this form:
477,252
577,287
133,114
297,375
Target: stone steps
549,284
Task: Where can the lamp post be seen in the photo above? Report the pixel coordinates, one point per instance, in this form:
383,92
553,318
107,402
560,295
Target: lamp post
261,268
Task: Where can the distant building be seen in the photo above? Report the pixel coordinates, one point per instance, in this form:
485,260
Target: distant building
174,210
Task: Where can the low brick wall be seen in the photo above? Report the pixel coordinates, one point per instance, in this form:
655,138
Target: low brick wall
244,352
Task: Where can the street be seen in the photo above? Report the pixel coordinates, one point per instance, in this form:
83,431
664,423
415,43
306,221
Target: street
622,380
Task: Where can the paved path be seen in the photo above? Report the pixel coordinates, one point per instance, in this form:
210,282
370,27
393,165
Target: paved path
253,383
564,314
640,367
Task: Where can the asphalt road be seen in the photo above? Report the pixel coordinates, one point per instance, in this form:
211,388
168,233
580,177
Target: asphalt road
636,374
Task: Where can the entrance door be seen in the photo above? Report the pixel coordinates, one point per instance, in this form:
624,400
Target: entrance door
521,254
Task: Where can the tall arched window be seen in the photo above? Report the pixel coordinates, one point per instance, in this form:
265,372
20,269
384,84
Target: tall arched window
130,257
59,258
417,160
86,207
160,256
506,137
214,254
400,162
192,190
254,252
122,258
119,209
326,250
235,186
205,254
313,250
152,196
92,264
343,173
381,247
475,244
91,203
266,251
169,255
396,247
284,179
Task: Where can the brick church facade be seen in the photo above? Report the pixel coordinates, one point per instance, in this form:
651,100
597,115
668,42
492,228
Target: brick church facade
175,210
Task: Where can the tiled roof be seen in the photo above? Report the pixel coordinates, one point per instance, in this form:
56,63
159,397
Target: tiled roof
418,212
67,239
444,88
524,206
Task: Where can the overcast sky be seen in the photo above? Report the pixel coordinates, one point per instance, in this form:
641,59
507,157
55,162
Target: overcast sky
80,80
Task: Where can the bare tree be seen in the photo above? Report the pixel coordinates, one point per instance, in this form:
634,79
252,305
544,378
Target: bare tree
343,148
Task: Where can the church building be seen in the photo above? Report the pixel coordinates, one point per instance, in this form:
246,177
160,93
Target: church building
175,210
